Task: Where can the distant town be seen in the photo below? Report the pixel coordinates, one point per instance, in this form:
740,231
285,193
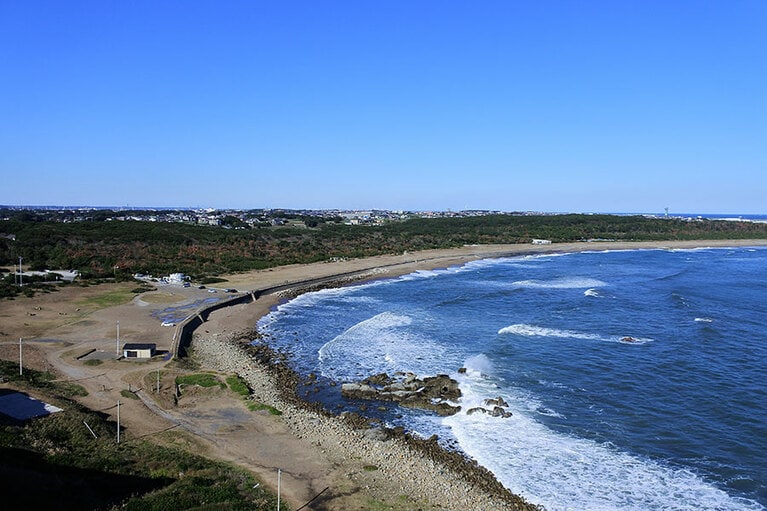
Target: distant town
245,218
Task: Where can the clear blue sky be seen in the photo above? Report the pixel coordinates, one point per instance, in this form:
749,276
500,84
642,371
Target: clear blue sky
612,106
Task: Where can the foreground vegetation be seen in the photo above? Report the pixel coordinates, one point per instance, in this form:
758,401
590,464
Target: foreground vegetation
55,462
104,249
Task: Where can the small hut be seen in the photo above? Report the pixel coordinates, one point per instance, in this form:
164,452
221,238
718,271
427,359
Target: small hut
139,350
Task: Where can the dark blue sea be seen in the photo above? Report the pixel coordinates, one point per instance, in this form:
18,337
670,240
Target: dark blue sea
675,419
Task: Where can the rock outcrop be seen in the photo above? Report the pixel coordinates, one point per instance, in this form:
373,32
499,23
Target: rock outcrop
498,409
406,389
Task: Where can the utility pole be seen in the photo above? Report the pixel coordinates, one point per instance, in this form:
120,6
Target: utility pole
279,477
158,380
118,421
20,366
21,275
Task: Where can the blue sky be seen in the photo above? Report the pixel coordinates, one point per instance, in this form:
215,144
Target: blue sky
609,106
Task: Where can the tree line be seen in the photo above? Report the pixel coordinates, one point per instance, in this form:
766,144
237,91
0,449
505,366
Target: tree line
120,249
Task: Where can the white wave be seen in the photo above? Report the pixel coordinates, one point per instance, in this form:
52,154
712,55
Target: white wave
704,320
561,283
383,343
421,274
478,365
592,292
539,331
480,264
343,296
698,249
526,330
354,299
428,274
520,261
563,472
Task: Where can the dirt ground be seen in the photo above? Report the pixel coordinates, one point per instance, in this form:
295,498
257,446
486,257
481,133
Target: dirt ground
58,328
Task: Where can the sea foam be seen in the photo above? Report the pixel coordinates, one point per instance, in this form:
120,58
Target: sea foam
561,283
563,472
526,330
382,343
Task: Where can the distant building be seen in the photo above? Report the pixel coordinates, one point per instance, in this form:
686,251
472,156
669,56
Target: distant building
541,242
177,278
139,350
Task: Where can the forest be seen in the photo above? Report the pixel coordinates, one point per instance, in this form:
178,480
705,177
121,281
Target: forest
119,249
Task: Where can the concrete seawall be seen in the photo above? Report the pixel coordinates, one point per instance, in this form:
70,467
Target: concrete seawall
182,337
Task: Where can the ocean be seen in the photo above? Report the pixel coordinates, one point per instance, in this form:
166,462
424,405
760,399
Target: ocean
636,379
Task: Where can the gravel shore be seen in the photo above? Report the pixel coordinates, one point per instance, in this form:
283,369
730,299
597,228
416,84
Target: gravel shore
390,467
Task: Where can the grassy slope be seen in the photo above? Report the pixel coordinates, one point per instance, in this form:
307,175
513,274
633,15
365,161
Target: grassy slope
55,463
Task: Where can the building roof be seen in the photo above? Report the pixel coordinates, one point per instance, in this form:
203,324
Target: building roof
139,346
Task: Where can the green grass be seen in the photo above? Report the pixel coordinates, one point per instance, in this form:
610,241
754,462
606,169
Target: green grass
225,488
238,385
93,362
377,505
127,393
9,371
200,379
98,473
255,407
108,298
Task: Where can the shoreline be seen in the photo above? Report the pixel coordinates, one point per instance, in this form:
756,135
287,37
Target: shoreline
452,474
383,267
360,472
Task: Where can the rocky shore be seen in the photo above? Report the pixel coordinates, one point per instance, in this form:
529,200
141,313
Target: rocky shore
433,393
386,463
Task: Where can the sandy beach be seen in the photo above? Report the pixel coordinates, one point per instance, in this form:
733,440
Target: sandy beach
318,455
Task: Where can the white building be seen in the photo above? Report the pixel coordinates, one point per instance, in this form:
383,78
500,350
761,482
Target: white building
139,350
176,278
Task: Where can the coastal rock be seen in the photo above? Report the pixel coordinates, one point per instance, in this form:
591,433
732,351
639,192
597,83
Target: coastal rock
378,379
430,393
443,409
496,411
498,401
500,412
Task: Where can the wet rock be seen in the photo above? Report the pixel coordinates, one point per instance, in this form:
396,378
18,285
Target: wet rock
496,411
443,409
378,379
430,393
500,412
498,401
